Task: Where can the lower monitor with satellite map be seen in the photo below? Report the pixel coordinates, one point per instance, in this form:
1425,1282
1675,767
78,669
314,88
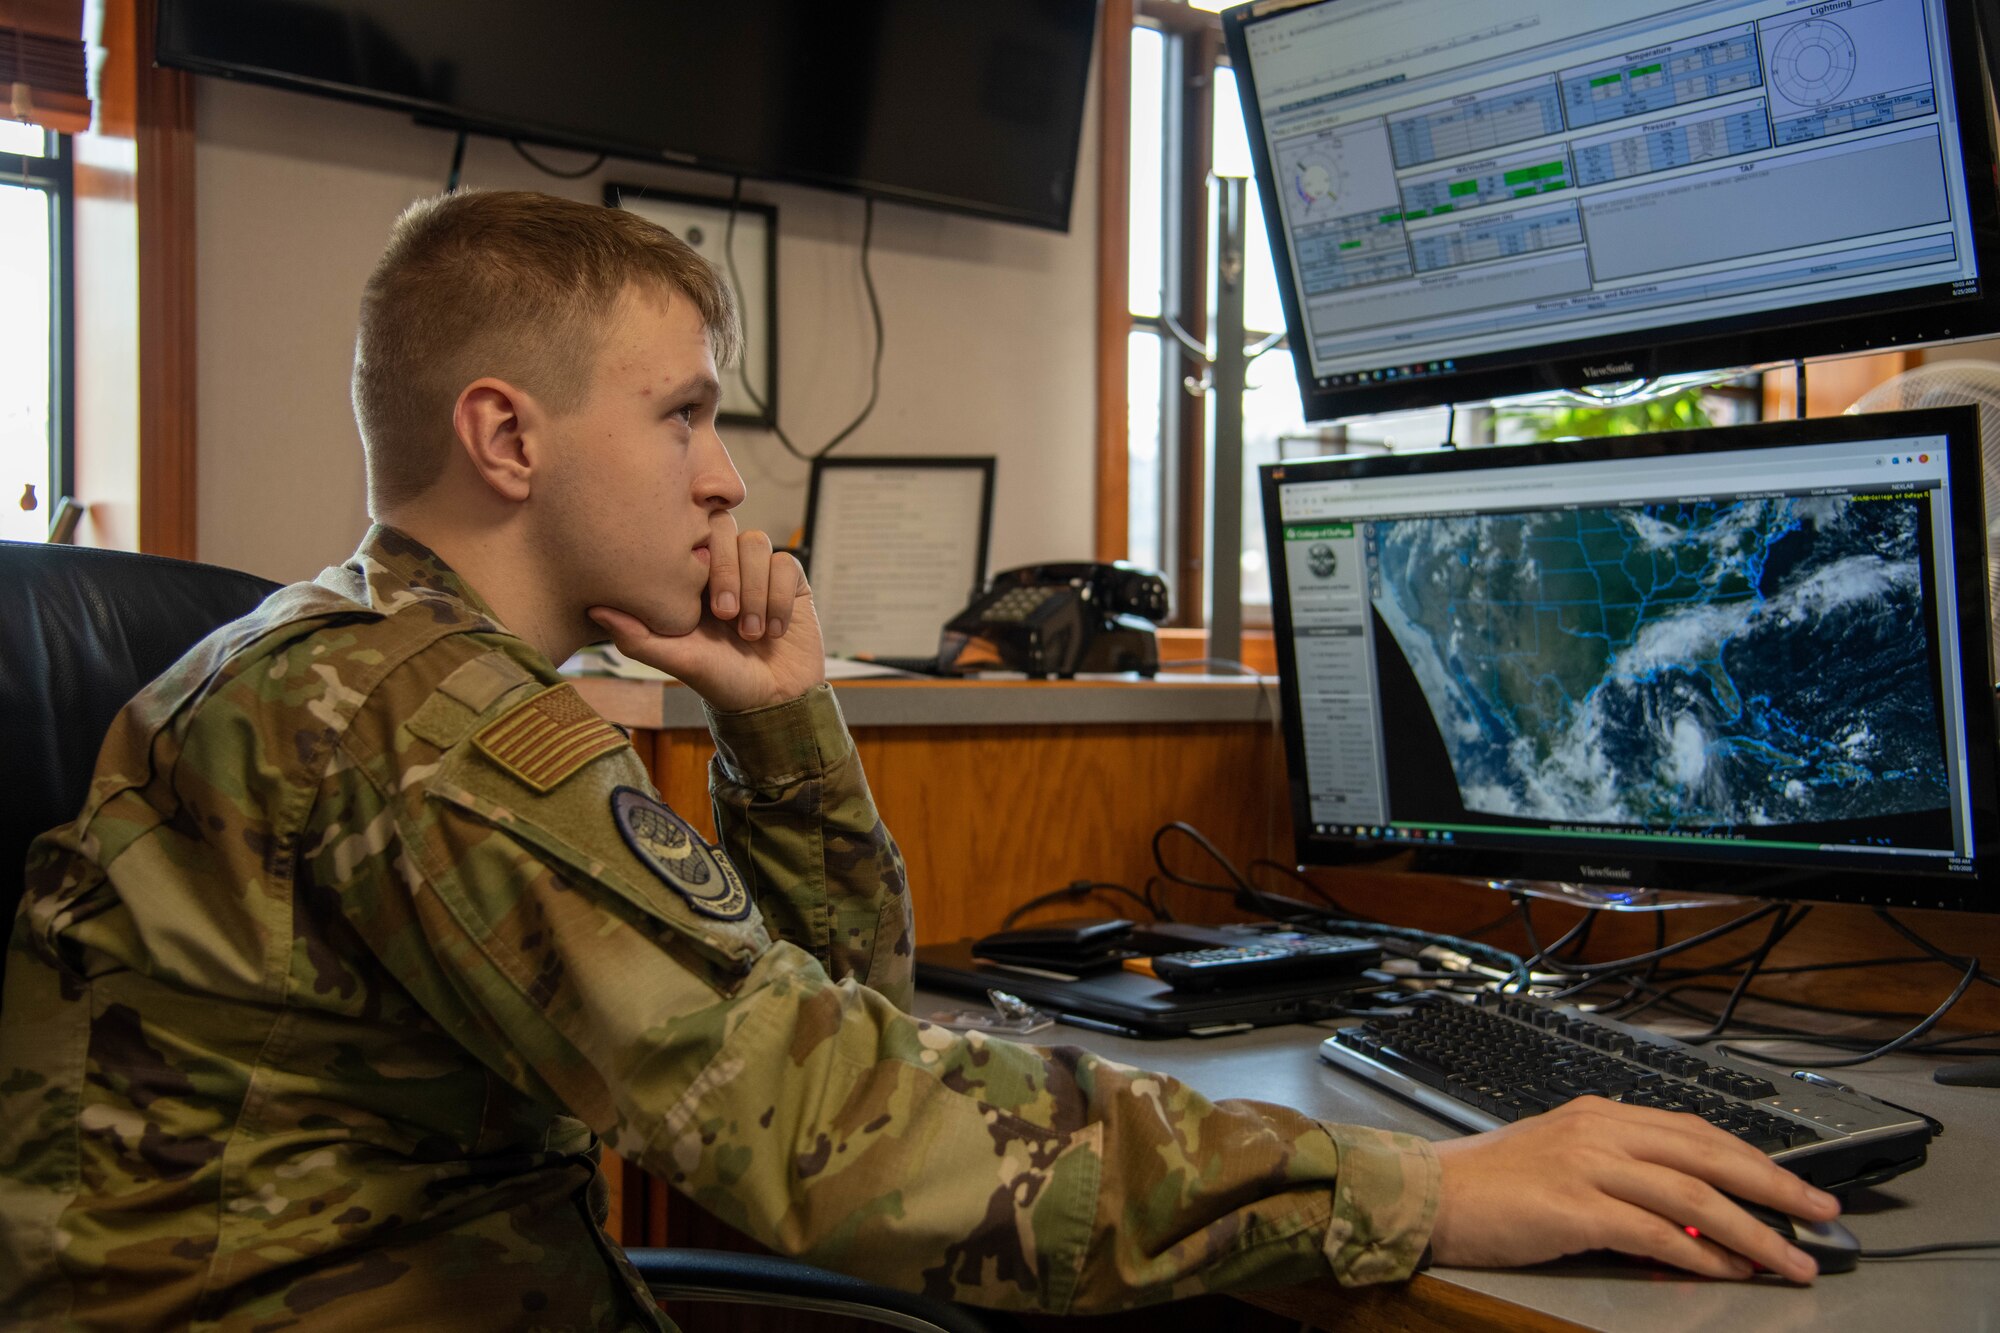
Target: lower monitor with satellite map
1749,661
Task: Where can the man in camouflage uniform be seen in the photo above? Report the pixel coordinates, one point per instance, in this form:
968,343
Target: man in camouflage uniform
370,928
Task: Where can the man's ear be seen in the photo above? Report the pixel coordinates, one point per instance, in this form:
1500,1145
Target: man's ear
491,419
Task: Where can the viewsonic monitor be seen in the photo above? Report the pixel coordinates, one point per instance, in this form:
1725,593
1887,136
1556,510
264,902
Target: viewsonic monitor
1751,660
1470,200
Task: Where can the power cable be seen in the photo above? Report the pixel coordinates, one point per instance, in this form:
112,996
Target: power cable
1888,1047
874,313
1508,966
1942,1247
545,168
1601,970
1075,891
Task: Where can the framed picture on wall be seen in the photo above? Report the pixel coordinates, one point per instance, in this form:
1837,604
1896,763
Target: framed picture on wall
747,258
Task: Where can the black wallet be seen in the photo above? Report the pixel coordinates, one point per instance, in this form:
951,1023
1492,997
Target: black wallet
1073,946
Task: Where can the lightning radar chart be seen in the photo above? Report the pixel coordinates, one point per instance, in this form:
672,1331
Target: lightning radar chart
1814,62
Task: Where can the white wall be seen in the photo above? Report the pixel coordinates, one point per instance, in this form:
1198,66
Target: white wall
990,328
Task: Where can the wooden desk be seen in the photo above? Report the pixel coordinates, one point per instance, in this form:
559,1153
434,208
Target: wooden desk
1000,792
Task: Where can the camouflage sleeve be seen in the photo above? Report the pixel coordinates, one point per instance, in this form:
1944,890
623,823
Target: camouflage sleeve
793,812
820,1118
1384,1203
1005,1175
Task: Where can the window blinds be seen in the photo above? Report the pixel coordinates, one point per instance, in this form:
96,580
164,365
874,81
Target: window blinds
43,68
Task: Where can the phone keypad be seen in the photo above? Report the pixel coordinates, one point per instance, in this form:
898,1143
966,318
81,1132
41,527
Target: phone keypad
1020,603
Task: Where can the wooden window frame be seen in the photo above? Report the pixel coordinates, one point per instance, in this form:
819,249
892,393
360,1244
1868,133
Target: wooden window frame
1194,51
1114,220
164,104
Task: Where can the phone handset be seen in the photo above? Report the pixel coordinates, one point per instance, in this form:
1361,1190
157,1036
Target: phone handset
1061,618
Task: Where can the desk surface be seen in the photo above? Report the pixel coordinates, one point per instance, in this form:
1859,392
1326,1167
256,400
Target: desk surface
1169,699
1953,1197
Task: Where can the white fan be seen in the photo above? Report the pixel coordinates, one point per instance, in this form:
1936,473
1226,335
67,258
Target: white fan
1951,384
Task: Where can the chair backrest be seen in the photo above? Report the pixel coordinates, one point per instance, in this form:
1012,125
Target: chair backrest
81,632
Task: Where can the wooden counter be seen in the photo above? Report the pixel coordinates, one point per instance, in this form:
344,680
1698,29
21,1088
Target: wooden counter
998,791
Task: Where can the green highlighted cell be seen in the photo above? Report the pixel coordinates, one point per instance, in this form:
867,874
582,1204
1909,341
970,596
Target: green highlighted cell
1607,80
1350,245
1459,189
1539,172
1645,70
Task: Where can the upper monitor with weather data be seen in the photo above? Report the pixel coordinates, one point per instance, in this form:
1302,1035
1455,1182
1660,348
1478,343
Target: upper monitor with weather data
1471,200
1751,660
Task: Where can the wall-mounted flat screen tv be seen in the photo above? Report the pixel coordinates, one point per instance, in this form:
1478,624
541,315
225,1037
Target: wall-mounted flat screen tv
971,107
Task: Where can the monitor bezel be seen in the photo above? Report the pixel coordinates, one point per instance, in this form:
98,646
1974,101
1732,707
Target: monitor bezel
1852,326
1743,876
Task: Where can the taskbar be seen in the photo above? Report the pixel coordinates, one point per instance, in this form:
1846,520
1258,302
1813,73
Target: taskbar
1415,834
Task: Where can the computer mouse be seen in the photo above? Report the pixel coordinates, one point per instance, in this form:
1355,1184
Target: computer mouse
1833,1247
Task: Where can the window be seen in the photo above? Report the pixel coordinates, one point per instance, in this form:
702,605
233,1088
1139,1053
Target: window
35,394
1147,362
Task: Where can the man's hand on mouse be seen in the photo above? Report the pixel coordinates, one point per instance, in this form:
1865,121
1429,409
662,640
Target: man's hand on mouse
1595,1175
758,642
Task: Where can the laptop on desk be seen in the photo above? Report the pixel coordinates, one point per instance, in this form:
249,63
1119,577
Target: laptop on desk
1131,1004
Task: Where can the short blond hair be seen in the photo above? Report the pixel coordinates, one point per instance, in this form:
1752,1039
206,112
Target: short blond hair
512,284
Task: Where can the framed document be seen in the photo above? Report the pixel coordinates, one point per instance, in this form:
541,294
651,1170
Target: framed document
704,225
894,548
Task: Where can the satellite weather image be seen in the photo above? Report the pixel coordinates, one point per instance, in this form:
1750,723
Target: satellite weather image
1688,666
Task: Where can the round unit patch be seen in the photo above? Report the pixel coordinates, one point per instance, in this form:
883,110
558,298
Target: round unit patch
673,851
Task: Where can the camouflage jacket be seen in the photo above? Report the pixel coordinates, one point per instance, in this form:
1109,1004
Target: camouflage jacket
370,928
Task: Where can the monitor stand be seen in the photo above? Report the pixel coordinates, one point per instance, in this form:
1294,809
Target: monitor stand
1605,898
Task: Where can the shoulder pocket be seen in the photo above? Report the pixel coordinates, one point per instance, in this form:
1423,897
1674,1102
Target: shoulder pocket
575,828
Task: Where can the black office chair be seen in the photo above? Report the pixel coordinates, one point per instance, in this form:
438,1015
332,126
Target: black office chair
81,632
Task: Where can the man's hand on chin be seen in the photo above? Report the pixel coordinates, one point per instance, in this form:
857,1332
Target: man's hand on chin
758,642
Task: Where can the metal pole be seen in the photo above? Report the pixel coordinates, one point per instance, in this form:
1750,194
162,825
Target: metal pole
1225,520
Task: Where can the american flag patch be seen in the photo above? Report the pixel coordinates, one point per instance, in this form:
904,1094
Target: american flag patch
549,737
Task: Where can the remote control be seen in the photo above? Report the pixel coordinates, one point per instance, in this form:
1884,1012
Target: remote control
1263,964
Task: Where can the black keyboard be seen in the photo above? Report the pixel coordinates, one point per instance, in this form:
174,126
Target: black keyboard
1486,1061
